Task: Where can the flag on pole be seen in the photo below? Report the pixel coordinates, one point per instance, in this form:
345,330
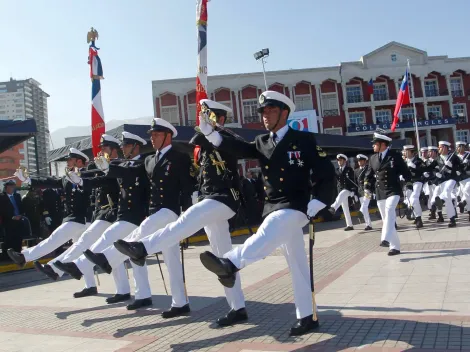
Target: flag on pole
370,87
402,99
201,76
96,75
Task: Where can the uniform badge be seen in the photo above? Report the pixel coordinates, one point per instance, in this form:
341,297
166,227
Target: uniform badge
262,99
391,163
320,152
102,139
294,157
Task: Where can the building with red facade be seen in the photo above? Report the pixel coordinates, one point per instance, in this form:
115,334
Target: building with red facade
340,95
10,160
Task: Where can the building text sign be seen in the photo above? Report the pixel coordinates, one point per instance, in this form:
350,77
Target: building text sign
408,124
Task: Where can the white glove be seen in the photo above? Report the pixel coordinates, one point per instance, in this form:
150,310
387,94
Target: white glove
102,163
314,206
438,175
401,178
411,164
356,199
426,174
368,194
205,127
194,197
458,173
19,174
448,163
74,178
465,161
48,221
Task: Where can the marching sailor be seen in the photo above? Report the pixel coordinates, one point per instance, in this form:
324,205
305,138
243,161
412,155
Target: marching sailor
73,224
446,169
430,178
359,176
417,167
218,202
105,213
291,162
171,186
464,177
132,209
346,189
385,168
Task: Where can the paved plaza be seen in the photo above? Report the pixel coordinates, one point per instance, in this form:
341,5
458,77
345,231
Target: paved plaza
367,301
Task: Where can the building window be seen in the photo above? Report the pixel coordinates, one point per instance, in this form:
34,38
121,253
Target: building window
354,94
336,131
462,135
459,112
356,118
170,113
456,87
434,112
303,102
407,114
383,116
430,88
192,115
393,57
250,111
329,103
380,91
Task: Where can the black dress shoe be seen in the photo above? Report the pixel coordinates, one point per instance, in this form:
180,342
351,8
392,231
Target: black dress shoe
222,267
348,228
17,258
118,298
86,292
419,222
176,311
332,210
98,259
396,226
46,270
440,218
384,244
368,228
233,317
304,325
69,268
432,216
452,222
134,250
393,252
139,303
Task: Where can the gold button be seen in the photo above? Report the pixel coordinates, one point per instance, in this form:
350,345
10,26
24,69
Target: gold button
161,180
266,167
161,195
265,177
129,201
282,169
265,188
266,198
281,179
161,189
130,187
280,190
130,194
120,186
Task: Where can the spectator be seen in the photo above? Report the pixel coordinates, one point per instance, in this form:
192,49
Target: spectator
33,208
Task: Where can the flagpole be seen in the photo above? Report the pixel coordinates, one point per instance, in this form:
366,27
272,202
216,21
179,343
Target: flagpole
201,78
412,90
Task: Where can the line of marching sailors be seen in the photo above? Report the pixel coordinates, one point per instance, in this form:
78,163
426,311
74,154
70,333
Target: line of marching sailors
442,176
143,206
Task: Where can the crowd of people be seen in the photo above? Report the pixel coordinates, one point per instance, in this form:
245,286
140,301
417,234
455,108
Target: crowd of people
147,205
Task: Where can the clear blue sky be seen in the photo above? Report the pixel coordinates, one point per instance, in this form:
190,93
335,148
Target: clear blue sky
144,40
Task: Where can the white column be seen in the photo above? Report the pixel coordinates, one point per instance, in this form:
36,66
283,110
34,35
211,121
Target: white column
450,94
425,104
422,88
239,111
345,97
178,105
428,137
319,107
185,100
291,92
373,114
454,132
402,134
397,85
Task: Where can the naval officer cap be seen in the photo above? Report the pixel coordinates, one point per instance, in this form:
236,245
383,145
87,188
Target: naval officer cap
408,147
433,148
130,138
109,141
460,143
75,153
162,125
10,183
341,156
217,108
381,138
362,157
424,149
272,98
444,143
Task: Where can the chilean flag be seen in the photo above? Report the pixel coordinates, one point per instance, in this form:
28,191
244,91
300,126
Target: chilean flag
370,87
97,115
402,99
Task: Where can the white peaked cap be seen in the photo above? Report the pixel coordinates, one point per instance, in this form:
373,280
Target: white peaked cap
341,156
444,143
74,152
362,156
215,105
269,96
132,136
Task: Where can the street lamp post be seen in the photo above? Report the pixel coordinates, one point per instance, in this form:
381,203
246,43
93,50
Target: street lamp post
262,54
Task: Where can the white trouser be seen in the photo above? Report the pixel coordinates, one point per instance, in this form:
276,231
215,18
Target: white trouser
387,212
431,197
365,210
282,228
414,198
343,200
86,240
465,186
446,195
69,230
214,215
116,231
151,224
426,188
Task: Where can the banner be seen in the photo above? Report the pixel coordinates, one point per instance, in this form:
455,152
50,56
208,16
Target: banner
303,121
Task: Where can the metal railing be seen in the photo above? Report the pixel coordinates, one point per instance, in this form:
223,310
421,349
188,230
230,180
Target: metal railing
331,112
457,93
351,99
381,96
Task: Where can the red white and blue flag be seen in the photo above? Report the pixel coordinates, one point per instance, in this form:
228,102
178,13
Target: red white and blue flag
97,115
201,77
402,99
370,87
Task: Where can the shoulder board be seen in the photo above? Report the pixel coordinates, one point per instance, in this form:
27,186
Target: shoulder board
321,152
